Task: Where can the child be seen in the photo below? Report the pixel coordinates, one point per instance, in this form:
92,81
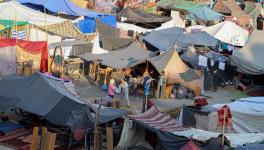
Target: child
111,88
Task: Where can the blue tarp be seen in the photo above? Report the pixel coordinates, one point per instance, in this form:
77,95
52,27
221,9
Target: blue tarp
61,6
88,25
203,13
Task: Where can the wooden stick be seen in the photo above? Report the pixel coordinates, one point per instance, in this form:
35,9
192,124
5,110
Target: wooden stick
33,145
109,135
97,136
223,128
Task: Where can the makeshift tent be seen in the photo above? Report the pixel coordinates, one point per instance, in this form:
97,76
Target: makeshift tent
176,21
62,6
234,139
27,50
138,15
177,4
249,59
66,29
172,65
9,24
247,114
162,124
228,32
53,99
253,10
204,13
121,58
231,7
36,34
23,13
168,38
67,7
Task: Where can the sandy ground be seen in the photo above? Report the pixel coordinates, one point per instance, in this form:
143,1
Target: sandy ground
222,95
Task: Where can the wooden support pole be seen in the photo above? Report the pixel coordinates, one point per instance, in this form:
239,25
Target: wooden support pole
109,136
51,139
43,138
34,139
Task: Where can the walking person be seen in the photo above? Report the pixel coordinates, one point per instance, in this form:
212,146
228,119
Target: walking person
125,91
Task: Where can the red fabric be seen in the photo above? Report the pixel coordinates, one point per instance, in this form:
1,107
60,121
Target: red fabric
149,104
189,146
33,47
224,112
78,134
201,102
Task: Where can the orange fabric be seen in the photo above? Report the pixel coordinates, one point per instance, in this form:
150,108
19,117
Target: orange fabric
176,66
31,47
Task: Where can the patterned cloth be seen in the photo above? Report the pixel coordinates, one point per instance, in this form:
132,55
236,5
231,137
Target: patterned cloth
224,114
154,118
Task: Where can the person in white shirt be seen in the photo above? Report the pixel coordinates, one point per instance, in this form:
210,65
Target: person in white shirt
125,90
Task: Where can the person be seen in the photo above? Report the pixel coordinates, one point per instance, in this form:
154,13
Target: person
161,91
118,6
57,63
111,88
125,91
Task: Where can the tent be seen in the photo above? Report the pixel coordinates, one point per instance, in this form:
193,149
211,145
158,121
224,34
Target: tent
177,4
137,15
27,50
174,68
168,38
121,58
231,7
23,13
61,6
249,59
247,114
228,32
253,10
54,99
204,13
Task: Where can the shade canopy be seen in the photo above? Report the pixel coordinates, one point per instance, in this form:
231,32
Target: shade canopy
15,11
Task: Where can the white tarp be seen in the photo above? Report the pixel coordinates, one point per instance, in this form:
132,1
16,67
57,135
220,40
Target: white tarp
15,11
235,139
176,21
8,61
228,32
247,114
96,46
38,35
249,59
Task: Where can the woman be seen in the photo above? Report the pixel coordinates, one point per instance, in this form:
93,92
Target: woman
111,88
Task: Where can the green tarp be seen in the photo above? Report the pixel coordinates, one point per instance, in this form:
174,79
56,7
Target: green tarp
9,24
177,4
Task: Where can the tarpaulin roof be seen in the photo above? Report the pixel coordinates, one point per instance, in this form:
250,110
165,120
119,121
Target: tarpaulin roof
228,32
15,11
121,58
249,59
168,38
137,15
51,98
177,4
9,24
204,13
62,6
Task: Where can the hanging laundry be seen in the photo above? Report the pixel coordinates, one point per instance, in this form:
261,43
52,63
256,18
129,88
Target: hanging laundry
224,117
221,66
202,61
21,35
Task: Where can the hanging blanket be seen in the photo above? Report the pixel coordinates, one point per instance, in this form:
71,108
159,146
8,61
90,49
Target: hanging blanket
155,119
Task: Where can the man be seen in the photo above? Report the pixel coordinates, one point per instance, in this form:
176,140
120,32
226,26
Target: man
161,89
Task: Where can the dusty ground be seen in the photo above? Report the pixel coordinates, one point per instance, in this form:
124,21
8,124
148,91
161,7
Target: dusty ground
222,95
